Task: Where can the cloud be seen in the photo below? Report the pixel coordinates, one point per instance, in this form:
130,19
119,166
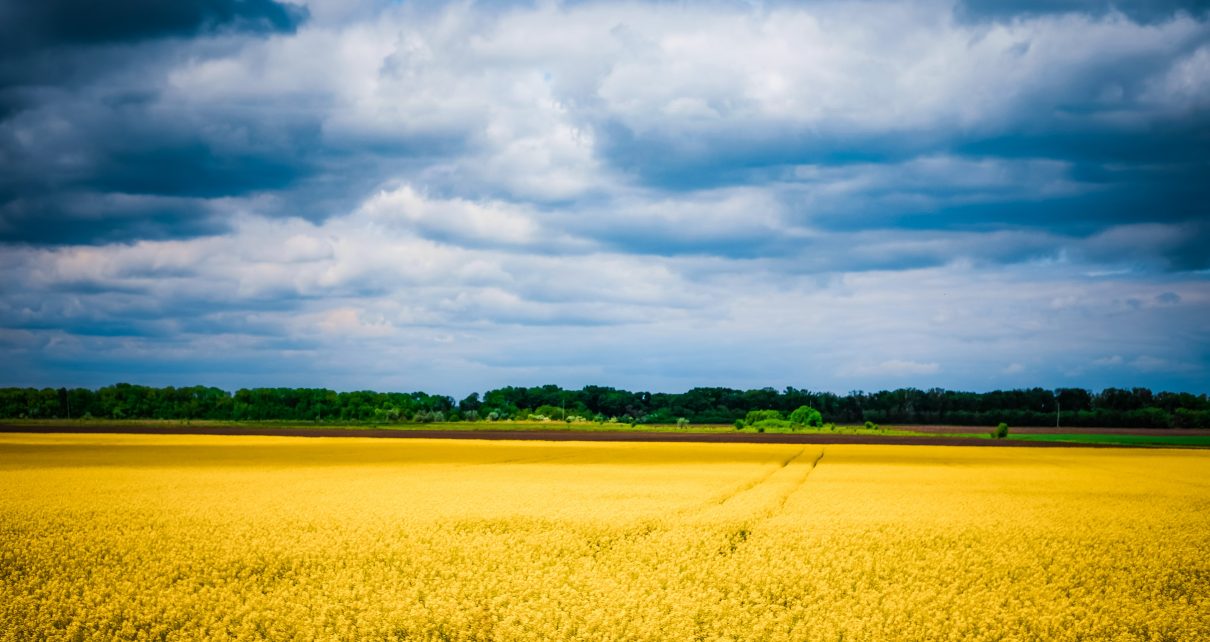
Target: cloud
844,122
53,23
454,194
1145,11
1179,247
104,217
897,368
457,219
1148,363
363,302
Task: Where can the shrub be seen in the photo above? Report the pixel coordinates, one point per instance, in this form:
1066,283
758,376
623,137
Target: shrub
1000,431
806,416
1186,418
773,423
681,422
761,415
739,424
428,416
869,425
549,411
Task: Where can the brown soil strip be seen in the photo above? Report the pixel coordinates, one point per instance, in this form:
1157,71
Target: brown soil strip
1051,430
549,435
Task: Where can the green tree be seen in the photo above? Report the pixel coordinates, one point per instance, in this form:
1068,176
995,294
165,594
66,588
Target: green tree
806,416
471,403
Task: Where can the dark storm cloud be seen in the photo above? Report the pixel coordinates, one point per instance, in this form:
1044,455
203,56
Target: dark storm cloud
91,217
1145,11
89,150
67,23
196,169
105,176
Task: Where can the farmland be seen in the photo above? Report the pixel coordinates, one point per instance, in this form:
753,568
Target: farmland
587,431
248,537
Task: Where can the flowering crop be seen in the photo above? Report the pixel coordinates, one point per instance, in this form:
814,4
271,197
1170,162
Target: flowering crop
194,538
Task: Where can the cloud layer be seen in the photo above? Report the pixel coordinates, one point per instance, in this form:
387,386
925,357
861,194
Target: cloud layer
456,196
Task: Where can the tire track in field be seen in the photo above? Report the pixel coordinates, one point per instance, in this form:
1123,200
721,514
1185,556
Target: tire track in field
702,513
761,498
738,536
743,488
781,504
784,497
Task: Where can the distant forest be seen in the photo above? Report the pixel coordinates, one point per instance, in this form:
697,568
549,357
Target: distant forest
1137,407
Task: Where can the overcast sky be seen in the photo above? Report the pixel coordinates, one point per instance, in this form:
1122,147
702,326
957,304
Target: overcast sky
451,197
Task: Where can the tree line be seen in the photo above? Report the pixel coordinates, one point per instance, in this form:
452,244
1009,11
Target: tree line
1136,407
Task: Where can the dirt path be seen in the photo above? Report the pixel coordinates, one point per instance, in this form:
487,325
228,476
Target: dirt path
546,435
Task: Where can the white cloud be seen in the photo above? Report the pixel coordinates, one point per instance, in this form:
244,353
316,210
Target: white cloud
519,99
363,301
1186,85
495,223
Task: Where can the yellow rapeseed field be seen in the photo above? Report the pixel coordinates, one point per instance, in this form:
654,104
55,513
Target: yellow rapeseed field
201,538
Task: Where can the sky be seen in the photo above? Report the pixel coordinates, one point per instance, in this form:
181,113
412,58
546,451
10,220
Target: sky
452,197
